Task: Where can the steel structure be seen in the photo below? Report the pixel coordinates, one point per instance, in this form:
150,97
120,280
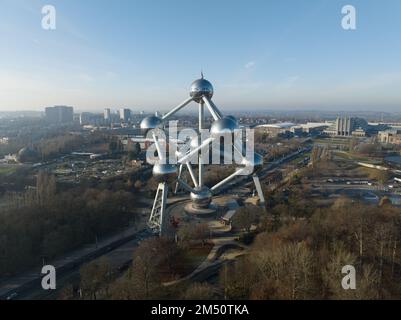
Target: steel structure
201,92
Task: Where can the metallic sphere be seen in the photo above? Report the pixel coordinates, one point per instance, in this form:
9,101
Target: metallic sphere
151,122
165,172
194,143
232,118
202,198
190,145
27,154
256,163
200,88
223,126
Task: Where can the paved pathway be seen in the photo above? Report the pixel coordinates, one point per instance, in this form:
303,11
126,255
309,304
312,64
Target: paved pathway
222,239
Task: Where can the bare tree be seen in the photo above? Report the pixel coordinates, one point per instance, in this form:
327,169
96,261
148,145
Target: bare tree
95,277
199,291
245,217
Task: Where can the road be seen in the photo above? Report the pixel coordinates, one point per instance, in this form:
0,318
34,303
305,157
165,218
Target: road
120,259
370,194
26,284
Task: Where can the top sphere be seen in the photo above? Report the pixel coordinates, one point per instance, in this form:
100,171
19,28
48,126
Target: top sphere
200,88
151,122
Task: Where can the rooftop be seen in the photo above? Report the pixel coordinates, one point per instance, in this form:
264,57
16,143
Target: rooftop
279,125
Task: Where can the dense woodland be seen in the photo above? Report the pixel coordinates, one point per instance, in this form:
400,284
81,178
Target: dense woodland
45,222
302,258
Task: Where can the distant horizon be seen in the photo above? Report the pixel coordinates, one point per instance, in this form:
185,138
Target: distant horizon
225,110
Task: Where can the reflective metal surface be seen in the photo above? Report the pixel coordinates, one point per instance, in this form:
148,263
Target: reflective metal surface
151,122
256,162
222,126
200,88
202,198
233,119
194,143
176,109
165,172
201,91
27,155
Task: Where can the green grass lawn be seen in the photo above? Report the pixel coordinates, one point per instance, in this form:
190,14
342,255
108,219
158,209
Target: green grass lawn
350,156
7,170
344,142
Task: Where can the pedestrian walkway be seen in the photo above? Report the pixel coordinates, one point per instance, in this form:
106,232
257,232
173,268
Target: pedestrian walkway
223,239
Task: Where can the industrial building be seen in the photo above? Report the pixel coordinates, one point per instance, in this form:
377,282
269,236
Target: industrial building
289,128
314,128
276,129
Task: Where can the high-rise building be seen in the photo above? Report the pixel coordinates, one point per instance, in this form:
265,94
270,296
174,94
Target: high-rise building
125,114
107,114
59,114
88,118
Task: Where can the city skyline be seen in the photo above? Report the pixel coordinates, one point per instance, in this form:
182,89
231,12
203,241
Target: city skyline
144,55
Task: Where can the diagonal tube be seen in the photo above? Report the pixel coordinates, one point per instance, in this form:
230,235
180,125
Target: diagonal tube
192,174
185,185
213,106
158,148
212,111
229,178
176,109
195,151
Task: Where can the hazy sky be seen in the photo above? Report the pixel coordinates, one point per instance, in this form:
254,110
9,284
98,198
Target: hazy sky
144,54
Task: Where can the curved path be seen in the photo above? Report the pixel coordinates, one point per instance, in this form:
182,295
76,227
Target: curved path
223,239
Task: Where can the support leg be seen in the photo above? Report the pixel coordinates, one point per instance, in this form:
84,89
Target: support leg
259,189
157,220
200,165
177,185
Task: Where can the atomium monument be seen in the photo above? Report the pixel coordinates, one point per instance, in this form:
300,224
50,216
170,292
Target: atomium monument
201,92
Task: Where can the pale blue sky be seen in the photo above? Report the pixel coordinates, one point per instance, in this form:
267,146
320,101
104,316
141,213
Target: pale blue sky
144,54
